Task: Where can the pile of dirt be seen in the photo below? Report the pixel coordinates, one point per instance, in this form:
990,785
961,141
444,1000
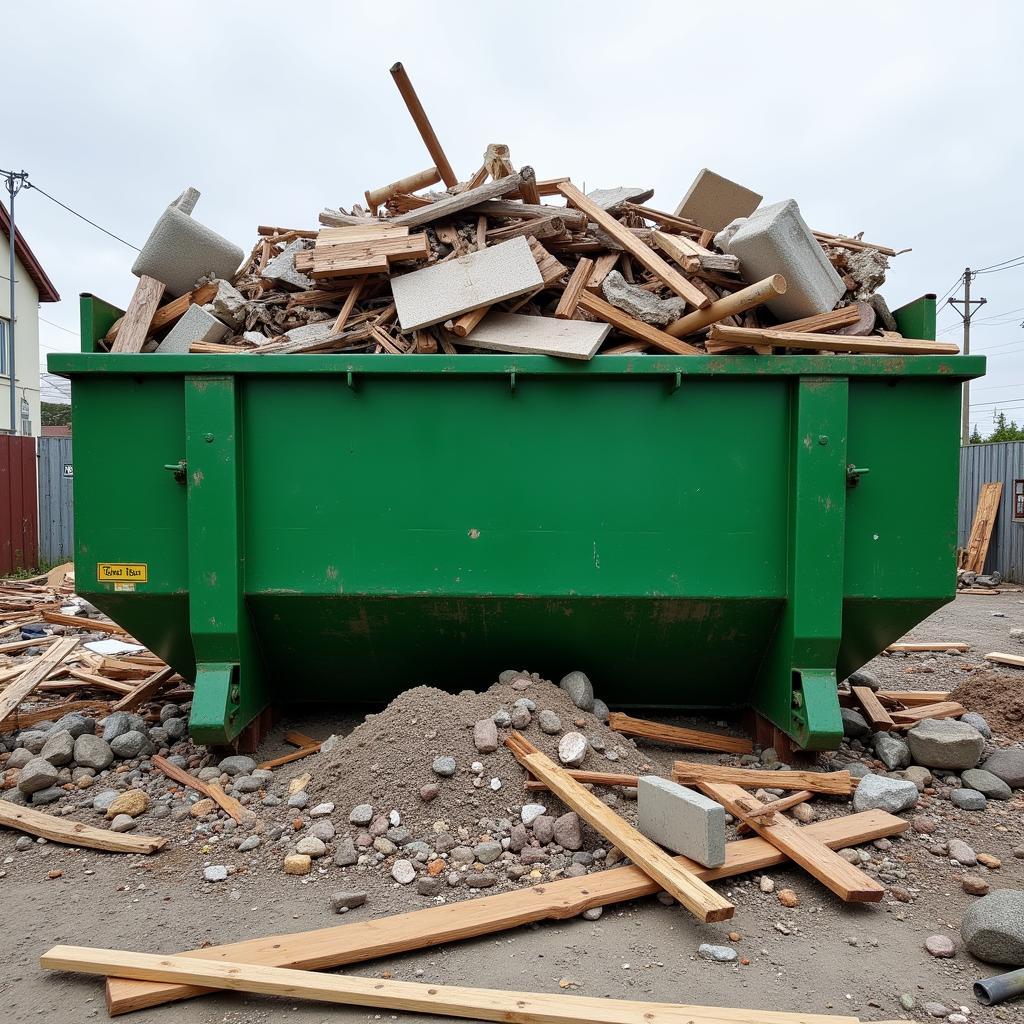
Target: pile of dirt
999,697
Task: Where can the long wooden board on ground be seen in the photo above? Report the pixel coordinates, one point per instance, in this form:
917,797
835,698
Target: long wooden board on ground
589,778
209,789
24,719
940,647
34,674
1000,658
849,883
699,898
982,526
457,203
834,783
81,622
75,833
677,736
409,996
453,922
910,718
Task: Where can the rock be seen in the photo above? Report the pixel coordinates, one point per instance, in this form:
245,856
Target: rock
855,725
600,712
20,757
640,304
323,829
946,743
132,802
1007,765
924,825
578,687
962,853
237,764
993,928
518,837
544,829
297,864
968,799
131,744
572,749
427,885
864,677
120,722
92,752
976,721
74,723
501,718
403,872
59,749
892,750
46,796
248,844
38,774
521,718
345,854
987,784
347,900
989,861
311,846
216,873
480,879
549,722
919,776
101,801
876,792
122,823
788,898
444,766
567,831
766,885
940,945
201,808
244,783
485,736
361,814
487,852
530,813
935,1009
176,728
322,810
720,954
974,885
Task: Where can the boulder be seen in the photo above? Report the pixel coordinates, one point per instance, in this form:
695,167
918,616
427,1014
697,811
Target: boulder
987,784
36,775
968,799
978,722
993,928
946,743
93,752
59,748
892,750
876,792
855,725
1007,765
579,689
864,677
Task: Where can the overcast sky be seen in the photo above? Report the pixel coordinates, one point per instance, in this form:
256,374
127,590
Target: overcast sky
902,120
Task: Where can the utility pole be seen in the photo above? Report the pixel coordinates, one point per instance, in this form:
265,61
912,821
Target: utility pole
15,182
971,306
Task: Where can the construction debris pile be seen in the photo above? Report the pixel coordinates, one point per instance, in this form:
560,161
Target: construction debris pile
489,266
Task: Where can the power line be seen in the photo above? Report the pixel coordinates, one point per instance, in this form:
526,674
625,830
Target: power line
998,266
82,216
60,327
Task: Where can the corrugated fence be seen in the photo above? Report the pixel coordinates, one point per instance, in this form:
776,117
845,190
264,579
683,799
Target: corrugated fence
56,508
984,463
18,511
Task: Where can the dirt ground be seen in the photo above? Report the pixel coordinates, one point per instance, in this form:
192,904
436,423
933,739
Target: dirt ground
855,960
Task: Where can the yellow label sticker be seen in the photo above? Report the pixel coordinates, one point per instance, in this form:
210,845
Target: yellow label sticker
122,572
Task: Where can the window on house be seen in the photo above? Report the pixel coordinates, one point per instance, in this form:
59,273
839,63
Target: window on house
1018,501
5,335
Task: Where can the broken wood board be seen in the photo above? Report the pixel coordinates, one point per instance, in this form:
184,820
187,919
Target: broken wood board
209,789
777,806
540,335
145,690
699,898
943,709
981,528
842,317
872,709
610,314
941,647
81,622
457,203
692,256
999,658
589,778
19,719
831,342
834,783
677,736
915,697
359,258
575,220
849,883
33,674
453,922
170,312
138,317
447,290
75,833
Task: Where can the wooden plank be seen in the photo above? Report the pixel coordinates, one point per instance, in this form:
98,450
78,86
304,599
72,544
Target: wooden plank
75,833
878,718
80,622
208,789
101,682
423,126
417,997
643,254
574,220
146,690
729,305
566,308
943,709
982,526
21,645
846,881
835,783
942,646
138,317
999,658
692,256
457,203
34,674
171,311
777,806
667,221
358,259
24,719
842,317
603,266
453,922
679,737
914,697
699,898
634,328
830,342
589,778
295,755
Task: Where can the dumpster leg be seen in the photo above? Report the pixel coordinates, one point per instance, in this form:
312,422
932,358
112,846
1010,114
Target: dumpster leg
230,687
796,686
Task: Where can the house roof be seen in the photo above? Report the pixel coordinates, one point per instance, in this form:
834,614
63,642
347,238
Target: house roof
47,292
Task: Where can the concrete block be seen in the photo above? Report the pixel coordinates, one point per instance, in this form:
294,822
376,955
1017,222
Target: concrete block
439,293
681,820
611,199
228,304
195,325
641,304
775,240
513,332
282,268
713,201
180,250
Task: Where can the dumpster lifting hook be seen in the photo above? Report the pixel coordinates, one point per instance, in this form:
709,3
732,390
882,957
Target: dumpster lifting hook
179,469
853,474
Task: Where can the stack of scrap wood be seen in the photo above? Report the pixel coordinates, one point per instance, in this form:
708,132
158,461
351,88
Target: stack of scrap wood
504,260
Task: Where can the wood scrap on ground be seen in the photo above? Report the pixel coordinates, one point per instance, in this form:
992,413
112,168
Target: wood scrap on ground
75,833
981,528
209,789
834,783
676,736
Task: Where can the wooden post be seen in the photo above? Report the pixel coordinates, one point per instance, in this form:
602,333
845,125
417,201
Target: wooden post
738,302
422,122
413,183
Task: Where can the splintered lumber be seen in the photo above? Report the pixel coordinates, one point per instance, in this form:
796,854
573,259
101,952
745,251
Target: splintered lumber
171,311
208,789
81,622
831,342
981,528
410,996
629,325
689,773
911,648
98,681
737,302
841,241
21,645
422,122
699,898
459,202
842,317
146,690
560,899
944,709
590,778
878,718
643,254
776,807
574,220
75,833
32,675
677,736
360,257
306,744
692,256
23,719
912,698
999,658
412,183
566,308
541,335
849,883
138,317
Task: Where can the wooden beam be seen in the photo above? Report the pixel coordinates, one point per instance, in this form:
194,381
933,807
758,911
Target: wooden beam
634,328
846,881
841,317
678,737
33,674
916,697
146,690
174,310
100,682
349,304
209,789
878,718
24,719
81,622
457,203
21,645
943,647
692,256
729,305
589,778
575,220
528,186
75,833
423,126
453,922
138,317
643,254
982,525
831,342
999,658
834,783
566,308
413,183
699,898
943,709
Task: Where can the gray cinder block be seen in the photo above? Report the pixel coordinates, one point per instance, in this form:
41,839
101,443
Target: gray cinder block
438,293
775,240
713,201
282,268
681,820
195,325
543,335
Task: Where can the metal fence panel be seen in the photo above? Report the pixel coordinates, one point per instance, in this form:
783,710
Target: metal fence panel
56,508
984,463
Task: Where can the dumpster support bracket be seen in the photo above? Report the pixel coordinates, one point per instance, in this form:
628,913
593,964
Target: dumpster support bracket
230,687
796,685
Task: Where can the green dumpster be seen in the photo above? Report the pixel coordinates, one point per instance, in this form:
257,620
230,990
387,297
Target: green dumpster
709,532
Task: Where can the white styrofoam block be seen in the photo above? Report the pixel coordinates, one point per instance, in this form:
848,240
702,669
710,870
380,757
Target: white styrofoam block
447,290
681,820
775,240
195,325
542,335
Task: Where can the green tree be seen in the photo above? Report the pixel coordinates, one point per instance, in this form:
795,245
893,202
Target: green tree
1006,431
55,414
975,437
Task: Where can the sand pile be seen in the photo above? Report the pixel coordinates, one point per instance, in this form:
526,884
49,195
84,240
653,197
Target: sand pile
998,697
